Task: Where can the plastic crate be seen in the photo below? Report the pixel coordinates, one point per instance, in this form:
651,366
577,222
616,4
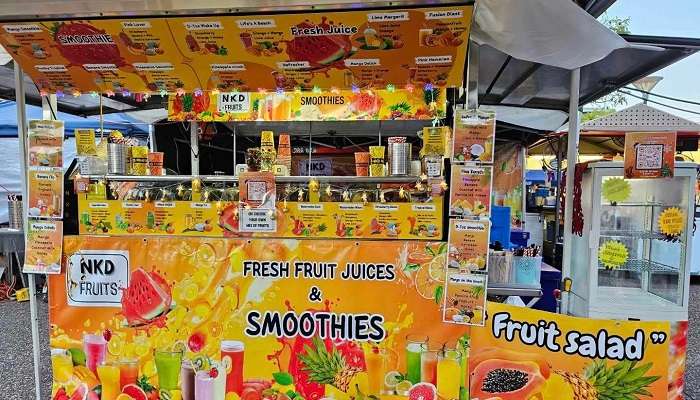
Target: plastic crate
500,226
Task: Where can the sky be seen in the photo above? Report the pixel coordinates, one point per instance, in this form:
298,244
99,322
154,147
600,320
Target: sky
678,18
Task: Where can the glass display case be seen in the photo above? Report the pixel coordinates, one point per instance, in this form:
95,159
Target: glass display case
648,279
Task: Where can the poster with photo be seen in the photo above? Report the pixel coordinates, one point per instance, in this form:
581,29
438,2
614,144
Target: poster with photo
45,143
649,154
470,192
465,298
44,247
474,136
45,186
468,246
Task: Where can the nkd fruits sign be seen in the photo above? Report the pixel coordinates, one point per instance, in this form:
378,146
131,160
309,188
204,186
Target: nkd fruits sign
96,278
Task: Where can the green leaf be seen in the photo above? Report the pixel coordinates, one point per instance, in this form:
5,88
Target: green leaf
292,394
410,267
443,248
283,378
429,250
439,292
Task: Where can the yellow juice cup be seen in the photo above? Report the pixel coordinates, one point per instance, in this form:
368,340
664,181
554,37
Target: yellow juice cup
62,364
448,374
109,379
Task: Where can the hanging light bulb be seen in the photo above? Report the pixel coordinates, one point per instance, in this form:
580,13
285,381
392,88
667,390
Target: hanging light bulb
76,93
316,89
313,185
180,190
180,91
146,96
402,193
234,90
346,195
410,87
390,88
443,186
423,177
109,93
279,91
198,92
328,191
262,90
196,185
364,197
218,207
284,206
148,195
382,199
297,89
163,92
206,195
300,195
419,186
94,94
428,86
215,92
126,92
335,90
59,93
355,89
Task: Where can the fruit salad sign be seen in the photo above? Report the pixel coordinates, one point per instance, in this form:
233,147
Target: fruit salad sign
334,105
523,354
259,318
649,154
44,241
233,52
470,191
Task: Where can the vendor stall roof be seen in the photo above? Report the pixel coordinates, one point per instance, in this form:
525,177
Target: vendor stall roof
504,80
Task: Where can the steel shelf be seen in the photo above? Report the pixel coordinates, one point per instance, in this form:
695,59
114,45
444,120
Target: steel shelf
278,179
637,265
514,289
632,234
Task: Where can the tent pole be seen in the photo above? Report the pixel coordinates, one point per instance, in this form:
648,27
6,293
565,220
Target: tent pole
49,105
571,158
22,135
194,148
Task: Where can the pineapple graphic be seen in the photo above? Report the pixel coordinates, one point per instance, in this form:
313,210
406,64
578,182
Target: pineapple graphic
621,381
328,367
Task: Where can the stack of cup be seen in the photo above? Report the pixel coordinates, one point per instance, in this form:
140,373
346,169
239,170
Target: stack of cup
399,156
117,158
155,163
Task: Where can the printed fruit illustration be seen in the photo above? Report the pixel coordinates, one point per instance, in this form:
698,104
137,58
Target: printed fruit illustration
489,353
308,389
82,43
365,103
506,380
80,393
61,394
327,366
134,392
319,51
228,220
83,374
422,391
622,380
147,297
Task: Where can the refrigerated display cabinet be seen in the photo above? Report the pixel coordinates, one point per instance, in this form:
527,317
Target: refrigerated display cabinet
653,283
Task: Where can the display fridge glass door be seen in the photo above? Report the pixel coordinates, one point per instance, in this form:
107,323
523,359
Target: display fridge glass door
655,261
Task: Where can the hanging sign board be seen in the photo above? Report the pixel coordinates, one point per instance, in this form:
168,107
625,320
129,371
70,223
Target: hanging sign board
650,154
470,191
342,49
335,105
44,241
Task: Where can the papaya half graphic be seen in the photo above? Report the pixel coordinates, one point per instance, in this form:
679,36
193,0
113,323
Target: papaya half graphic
506,380
494,353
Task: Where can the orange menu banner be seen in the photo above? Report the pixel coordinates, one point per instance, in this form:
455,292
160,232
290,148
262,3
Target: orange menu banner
364,49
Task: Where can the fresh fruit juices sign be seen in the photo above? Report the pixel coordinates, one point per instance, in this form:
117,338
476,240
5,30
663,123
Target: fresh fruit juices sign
44,241
474,135
523,354
349,220
649,154
273,319
334,105
331,49
470,191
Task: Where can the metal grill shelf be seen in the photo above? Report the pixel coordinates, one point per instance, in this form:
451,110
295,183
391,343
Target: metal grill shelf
636,265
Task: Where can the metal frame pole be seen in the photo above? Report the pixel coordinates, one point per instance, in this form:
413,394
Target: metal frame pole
22,136
194,148
571,158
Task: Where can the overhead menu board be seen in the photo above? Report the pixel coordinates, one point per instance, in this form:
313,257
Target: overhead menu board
293,51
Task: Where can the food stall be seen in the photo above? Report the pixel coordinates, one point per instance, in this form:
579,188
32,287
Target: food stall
279,281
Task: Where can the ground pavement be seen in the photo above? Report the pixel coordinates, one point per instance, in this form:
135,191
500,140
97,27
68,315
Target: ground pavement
17,374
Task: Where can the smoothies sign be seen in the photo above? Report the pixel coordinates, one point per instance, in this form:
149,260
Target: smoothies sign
202,318
366,49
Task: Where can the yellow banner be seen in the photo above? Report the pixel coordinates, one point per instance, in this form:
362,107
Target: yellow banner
349,220
337,105
305,319
367,48
557,357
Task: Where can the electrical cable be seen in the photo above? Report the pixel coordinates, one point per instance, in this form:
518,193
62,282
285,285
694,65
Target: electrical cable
664,97
661,104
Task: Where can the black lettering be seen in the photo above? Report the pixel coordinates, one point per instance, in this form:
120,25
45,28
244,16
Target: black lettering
253,328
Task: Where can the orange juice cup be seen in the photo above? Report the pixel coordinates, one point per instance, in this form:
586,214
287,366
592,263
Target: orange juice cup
128,373
362,164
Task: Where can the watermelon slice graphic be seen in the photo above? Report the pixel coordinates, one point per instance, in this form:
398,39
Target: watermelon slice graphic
81,43
147,297
319,51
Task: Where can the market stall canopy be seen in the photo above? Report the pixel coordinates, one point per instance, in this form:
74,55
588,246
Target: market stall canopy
507,81
8,121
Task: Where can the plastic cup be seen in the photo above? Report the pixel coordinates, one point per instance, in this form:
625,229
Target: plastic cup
155,163
168,364
232,352
95,347
414,347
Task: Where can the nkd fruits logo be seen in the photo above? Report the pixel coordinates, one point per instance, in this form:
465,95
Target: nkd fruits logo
96,278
